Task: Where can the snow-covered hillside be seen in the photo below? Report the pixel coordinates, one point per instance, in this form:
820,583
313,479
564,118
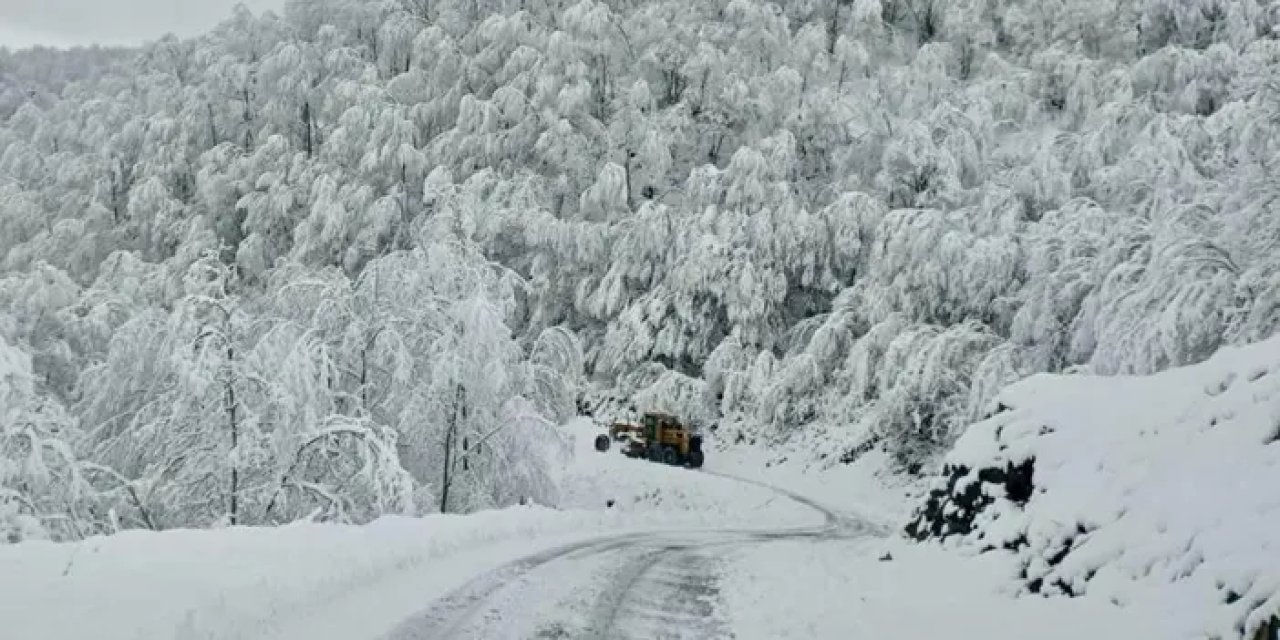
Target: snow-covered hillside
1156,491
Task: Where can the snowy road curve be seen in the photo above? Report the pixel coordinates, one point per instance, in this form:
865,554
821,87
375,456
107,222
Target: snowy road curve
647,584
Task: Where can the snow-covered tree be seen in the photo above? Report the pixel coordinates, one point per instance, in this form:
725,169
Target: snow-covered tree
45,489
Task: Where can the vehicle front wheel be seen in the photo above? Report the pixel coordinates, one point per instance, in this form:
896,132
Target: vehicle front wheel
670,456
696,459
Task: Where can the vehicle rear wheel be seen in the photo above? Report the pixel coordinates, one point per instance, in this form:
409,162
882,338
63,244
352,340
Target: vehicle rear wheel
670,456
696,459
602,442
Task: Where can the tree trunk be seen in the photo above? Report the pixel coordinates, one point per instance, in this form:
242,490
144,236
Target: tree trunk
117,197
234,510
213,126
450,433
833,27
248,119
627,166
602,90
364,376
306,123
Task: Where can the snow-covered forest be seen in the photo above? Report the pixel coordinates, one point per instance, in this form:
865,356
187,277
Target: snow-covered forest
358,258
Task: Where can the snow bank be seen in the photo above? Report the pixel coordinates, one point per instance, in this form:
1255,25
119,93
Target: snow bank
229,583
1161,490
921,592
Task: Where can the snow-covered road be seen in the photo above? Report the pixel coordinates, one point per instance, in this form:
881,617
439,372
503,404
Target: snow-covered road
633,549
651,584
753,552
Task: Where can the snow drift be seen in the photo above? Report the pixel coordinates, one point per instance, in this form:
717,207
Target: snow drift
237,582
1159,488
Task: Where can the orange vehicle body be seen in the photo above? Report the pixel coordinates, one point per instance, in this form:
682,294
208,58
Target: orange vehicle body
660,437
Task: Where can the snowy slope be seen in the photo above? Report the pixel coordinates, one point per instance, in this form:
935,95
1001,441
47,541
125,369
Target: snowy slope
1148,491
868,488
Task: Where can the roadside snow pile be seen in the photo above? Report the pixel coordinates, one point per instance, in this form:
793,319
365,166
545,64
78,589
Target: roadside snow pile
230,583
1164,489
893,589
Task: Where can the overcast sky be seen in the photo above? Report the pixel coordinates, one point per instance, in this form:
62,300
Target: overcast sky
69,22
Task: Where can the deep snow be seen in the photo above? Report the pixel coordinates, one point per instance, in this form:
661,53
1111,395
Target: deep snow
1157,492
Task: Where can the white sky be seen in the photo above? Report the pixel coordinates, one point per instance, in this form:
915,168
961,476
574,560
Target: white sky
25,23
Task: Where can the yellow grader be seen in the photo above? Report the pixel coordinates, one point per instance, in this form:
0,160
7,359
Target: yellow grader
658,437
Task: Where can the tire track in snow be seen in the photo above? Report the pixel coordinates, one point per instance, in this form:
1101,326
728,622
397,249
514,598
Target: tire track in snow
611,601
651,585
672,598
451,614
